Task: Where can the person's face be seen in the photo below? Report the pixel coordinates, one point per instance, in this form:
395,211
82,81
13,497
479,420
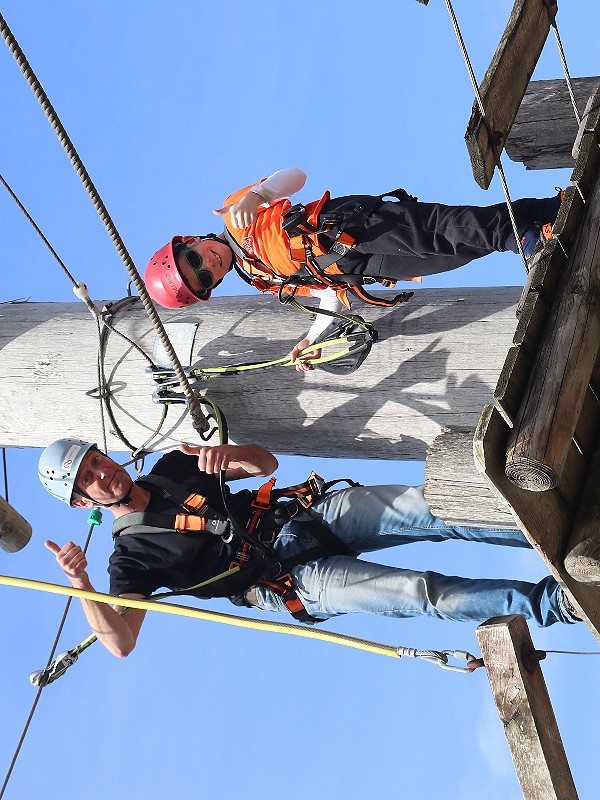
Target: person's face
101,479
216,260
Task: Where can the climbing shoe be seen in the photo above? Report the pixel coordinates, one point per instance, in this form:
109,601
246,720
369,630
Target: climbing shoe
535,237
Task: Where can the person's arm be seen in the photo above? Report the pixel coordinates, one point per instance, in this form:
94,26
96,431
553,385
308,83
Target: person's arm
281,184
238,461
328,300
117,633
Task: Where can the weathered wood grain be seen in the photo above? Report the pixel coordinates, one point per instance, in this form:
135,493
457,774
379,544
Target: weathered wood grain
545,127
552,403
545,518
423,374
582,561
504,85
456,491
15,531
525,709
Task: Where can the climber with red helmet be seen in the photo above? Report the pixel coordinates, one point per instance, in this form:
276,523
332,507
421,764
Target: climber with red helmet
331,248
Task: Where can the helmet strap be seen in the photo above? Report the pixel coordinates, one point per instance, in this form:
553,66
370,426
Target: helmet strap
126,500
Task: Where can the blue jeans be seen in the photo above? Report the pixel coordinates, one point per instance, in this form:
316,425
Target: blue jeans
375,517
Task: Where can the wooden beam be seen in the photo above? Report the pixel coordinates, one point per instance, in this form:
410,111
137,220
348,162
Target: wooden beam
545,517
539,447
525,709
582,561
504,84
15,531
545,127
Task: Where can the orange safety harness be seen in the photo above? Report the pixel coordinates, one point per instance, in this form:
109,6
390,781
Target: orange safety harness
254,561
319,271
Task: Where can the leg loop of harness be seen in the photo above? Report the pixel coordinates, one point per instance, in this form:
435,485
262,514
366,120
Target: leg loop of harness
313,270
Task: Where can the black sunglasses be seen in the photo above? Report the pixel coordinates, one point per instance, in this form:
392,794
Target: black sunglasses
194,261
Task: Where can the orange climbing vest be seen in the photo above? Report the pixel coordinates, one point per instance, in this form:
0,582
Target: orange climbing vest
280,251
269,257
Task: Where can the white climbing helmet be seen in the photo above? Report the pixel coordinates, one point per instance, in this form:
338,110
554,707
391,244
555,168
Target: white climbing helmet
58,466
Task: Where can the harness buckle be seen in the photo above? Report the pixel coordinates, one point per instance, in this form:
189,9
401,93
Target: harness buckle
263,495
293,218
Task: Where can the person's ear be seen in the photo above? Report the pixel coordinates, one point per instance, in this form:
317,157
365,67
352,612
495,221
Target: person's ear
82,502
190,241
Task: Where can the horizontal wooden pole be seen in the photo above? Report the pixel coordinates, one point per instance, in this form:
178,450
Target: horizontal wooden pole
456,491
420,376
525,709
545,128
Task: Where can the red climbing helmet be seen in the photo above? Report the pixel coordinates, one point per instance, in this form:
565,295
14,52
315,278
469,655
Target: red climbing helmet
164,282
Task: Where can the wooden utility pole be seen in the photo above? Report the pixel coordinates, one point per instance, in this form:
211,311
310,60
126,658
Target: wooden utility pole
15,531
423,375
525,709
545,127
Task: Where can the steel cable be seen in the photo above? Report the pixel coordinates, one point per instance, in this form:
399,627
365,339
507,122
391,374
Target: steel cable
199,421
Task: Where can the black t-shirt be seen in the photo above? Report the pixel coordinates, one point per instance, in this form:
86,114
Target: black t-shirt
144,562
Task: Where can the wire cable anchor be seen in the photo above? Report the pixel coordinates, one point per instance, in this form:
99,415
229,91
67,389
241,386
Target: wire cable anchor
441,658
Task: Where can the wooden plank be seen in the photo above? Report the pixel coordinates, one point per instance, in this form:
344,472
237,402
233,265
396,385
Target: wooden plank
582,561
532,322
546,273
525,709
573,477
512,383
586,168
538,448
545,127
504,84
567,222
545,518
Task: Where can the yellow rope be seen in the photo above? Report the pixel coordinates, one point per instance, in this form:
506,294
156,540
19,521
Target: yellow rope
212,616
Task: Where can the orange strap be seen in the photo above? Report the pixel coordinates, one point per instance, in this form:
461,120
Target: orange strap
263,496
195,501
189,522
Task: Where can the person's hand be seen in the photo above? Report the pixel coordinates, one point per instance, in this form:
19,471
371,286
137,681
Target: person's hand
243,213
211,459
71,559
301,365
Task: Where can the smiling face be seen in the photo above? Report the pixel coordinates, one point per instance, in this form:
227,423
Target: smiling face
101,480
216,260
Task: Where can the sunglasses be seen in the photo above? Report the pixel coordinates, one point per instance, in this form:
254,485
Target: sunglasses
194,261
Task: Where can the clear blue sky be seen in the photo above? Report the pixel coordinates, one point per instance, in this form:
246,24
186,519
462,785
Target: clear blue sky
172,106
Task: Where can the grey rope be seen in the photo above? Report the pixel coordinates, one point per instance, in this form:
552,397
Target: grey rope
101,383
575,652
566,70
5,474
199,421
41,687
492,145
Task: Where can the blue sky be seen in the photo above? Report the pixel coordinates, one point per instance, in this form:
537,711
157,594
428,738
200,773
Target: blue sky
172,106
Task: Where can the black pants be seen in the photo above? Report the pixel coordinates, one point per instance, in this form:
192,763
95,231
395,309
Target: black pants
408,239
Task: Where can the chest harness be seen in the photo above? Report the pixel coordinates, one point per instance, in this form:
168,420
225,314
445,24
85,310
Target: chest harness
322,272
254,561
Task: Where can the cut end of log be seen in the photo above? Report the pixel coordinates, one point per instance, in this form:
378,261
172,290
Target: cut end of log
531,475
583,562
15,531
